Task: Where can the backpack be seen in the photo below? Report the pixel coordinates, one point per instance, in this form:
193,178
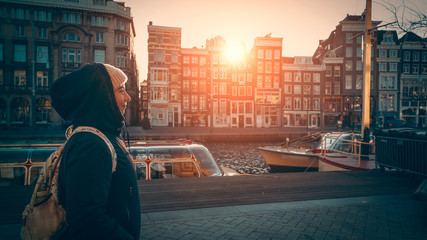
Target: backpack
44,217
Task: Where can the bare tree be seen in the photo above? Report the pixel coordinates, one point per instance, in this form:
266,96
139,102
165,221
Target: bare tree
408,17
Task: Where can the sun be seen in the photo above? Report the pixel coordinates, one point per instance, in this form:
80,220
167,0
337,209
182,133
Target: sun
235,51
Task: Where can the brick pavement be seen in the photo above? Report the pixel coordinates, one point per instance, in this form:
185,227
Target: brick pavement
380,217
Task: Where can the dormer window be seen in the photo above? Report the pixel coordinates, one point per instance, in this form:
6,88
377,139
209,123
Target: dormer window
388,39
71,37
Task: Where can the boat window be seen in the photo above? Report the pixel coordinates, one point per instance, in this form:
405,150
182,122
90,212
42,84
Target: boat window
13,155
209,166
164,153
41,154
10,176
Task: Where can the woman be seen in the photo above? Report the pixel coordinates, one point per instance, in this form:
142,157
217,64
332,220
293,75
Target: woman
99,203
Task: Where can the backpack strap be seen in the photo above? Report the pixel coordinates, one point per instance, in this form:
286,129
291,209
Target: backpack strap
69,132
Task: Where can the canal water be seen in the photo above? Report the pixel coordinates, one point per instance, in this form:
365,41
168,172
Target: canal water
243,157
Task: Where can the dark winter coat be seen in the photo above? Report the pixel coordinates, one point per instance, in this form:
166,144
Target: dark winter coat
99,204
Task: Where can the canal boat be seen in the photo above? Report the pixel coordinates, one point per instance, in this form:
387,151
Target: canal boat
21,164
347,152
304,157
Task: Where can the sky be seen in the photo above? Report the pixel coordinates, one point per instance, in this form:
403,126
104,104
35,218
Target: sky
301,23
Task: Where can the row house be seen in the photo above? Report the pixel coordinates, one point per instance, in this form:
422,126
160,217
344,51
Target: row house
42,40
220,82
195,86
341,58
164,75
267,52
302,85
387,63
413,79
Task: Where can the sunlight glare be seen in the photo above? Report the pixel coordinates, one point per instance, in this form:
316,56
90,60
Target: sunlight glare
235,51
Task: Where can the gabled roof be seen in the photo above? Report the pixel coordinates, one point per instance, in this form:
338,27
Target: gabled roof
412,37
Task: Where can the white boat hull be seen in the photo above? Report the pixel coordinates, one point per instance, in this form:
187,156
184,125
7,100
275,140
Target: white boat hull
283,160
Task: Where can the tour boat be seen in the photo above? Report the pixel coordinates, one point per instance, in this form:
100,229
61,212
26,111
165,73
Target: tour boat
21,164
302,157
347,153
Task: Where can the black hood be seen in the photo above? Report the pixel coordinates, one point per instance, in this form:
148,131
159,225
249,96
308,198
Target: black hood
86,98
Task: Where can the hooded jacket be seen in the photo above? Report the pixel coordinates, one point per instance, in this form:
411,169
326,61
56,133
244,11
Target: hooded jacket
99,204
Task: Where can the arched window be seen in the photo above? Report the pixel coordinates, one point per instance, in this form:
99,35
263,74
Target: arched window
3,111
20,111
71,37
43,110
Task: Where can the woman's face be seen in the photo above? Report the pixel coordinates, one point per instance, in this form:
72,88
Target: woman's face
122,97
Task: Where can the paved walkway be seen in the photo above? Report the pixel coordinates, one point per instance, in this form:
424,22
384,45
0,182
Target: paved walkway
379,217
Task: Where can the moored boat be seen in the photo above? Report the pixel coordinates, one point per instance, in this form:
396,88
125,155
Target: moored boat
290,160
21,164
347,152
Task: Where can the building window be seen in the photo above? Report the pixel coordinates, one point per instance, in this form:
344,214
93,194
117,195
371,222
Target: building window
268,67
406,56
307,89
175,40
122,40
415,56
20,79
268,54
99,56
186,102
328,71
288,103
288,77
388,39
194,72
222,73
159,38
99,21
194,86
297,77
242,91
297,89
20,111
42,54
337,71
267,81
260,53
222,88
393,53
383,67
349,38
307,77
122,25
277,54
349,66
121,59
316,89
306,103
328,88
70,55
174,58
1,52
260,67
71,37
424,57
186,72
1,79
316,103
415,68
202,72
393,67
349,52
42,33
316,77
358,52
359,40
19,13
159,56
276,67
382,53
249,90
297,103
42,16
202,102
348,82
99,37
42,79
359,65
71,18
186,86
100,2
288,89
19,31
406,68
20,53
194,60
359,82
337,88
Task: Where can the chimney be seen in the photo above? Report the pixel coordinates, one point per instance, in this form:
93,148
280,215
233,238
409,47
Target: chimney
150,23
